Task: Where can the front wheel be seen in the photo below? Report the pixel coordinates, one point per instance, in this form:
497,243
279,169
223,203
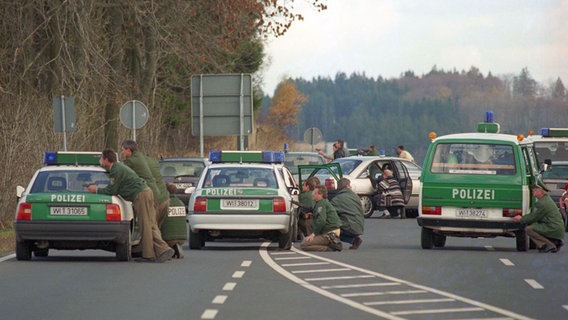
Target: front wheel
522,240
367,204
427,238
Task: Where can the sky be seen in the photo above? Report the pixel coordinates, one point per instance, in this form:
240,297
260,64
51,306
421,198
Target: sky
389,37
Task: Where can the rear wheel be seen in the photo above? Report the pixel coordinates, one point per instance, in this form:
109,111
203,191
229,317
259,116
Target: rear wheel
124,250
522,240
196,240
23,250
285,240
439,240
41,252
367,204
427,238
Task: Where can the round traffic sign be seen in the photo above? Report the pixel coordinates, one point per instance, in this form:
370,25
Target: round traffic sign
133,114
312,135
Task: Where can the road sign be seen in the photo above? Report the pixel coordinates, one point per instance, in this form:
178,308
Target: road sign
133,114
312,136
64,114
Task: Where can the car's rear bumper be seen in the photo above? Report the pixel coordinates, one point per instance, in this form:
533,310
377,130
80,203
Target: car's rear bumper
115,231
256,222
469,226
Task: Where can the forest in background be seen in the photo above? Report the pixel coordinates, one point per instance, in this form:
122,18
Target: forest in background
389,112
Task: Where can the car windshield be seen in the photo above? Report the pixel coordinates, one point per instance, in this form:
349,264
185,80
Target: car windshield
292,161
240,177
68,181
553,150
473,158
181,168
556,171
347,165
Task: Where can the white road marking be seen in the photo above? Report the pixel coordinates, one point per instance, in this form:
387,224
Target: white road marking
489,248
220,299
304,264
412,301
229,286
345,286
534,284
238,274
339,278
8,257
322,270
292,258
209,314
565,307
368,294
431,311
246,263
507,262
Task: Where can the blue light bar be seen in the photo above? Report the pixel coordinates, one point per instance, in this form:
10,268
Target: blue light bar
272,157
489,117
50,157
215,156
545,132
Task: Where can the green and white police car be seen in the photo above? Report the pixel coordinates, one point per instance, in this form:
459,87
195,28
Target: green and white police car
244,194
56,211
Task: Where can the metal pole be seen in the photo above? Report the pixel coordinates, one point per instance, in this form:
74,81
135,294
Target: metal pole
133,120
242,116
63,118
201,140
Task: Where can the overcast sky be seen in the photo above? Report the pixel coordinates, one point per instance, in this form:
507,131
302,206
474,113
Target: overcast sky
388,37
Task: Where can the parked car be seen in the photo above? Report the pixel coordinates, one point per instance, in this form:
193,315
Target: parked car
365,171
294,159
555,178
183,172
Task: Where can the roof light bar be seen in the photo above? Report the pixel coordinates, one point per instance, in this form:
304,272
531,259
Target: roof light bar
51,158
554,132
217,156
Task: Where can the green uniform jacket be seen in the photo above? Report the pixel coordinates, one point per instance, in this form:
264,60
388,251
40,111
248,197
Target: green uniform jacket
325,218
545,219
137,162
124,182
306,199
350,211
161,185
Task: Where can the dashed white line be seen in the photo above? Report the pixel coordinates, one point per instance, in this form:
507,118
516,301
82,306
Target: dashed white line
220,299
507,262
534,284
229,286
209,314
246,263
238,274
565,307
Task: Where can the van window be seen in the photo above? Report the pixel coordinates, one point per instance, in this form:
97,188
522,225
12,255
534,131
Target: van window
474,158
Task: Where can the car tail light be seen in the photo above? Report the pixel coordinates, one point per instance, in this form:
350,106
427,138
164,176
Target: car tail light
200,204
24,211
432,210
509,213
278,205
113,212
330,184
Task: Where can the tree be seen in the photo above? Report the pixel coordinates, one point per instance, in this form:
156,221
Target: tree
286,105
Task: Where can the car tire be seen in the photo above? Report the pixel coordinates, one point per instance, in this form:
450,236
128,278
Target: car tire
23,250
41,252
368,207
411,213
124,250
427,238
522,240
439,240
196,241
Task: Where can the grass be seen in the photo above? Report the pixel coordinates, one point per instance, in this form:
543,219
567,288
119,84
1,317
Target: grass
7,239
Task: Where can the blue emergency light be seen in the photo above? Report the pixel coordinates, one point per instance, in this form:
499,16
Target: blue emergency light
554,132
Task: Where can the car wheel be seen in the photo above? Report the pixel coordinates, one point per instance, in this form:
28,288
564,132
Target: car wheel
285,240
367,204
41,252
196,240
439,240
522,240
23,250
411,213
427,238
124,250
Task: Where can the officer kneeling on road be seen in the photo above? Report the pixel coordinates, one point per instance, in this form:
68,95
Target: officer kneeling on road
544,223
325,225
350,212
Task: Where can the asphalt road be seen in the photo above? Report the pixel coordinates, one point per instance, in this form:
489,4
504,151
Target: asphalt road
389,277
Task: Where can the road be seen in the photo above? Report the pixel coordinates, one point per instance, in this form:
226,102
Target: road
389,277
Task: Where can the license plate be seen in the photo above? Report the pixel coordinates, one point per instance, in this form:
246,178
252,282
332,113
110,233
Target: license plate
472,213
239,204
68,211
184,185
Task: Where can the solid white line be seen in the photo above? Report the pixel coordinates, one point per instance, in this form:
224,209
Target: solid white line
219,299
304,264
209,314
321,270
246,263
346,286
534,284
368,294
238,274
8,257
437,311
292,258
229,286
407,301
507,262
278,253
339,278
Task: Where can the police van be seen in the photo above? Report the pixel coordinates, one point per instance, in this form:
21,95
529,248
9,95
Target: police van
473,184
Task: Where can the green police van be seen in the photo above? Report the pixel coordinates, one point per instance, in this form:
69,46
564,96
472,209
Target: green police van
472,184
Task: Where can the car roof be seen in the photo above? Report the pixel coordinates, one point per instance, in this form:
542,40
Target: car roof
71,168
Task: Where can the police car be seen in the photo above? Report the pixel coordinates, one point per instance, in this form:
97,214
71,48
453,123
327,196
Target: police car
244,194
56,211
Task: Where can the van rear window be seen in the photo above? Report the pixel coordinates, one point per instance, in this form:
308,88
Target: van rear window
474,158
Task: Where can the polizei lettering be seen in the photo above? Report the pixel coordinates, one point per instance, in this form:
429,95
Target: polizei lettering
473,194
67,198
223,192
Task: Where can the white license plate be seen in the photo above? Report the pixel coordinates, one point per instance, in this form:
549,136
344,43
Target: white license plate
68,211
472,213
239,204
184,185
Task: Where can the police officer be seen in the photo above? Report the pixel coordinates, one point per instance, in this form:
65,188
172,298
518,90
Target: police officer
350,211
325,224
